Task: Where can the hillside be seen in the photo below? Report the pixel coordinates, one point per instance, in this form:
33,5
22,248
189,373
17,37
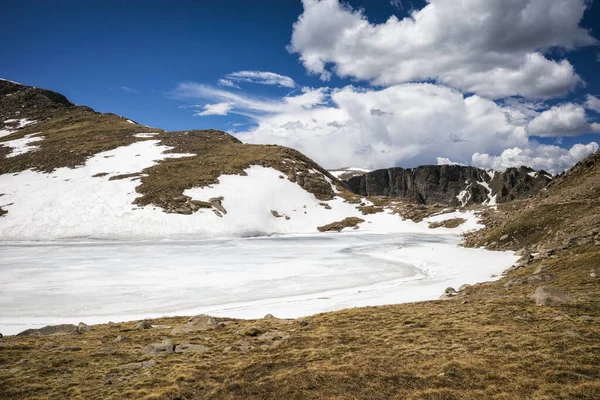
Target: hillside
453,185
68,171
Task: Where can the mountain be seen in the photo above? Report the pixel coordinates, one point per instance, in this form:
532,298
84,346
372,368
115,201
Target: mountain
452,185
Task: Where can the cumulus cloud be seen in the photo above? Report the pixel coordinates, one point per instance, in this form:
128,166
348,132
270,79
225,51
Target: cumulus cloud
494,48
592,103
260,77
409,125
563,120
553,159
214,109
402,125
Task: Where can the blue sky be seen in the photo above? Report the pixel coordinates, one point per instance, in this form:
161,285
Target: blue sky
134,58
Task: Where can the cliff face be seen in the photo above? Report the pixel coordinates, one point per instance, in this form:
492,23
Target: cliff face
450,184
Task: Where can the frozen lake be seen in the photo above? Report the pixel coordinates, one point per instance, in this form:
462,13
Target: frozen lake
287,276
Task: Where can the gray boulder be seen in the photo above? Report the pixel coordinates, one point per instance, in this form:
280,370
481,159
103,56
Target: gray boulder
164,347
547,295
197,323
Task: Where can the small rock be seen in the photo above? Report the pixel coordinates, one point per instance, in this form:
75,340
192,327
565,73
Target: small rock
276,214
196,348
82,328
145,324
464,287
121,338
269,316
592,275
197,323
546,295
513,282
1,336
503,237
302,322
273,336
164,347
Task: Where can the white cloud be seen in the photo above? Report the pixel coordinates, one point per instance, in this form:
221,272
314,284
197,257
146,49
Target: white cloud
592,103
214,109
228,83
446,161
128,89
260,77
409,125
403,125
553,159
563,120
490,47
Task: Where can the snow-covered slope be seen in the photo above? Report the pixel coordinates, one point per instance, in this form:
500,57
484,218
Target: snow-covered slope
89,202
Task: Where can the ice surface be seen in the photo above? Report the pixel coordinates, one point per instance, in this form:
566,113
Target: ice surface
288,276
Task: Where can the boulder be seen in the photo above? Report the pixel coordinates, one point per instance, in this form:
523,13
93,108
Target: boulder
64,329
145,324
197,323
251,331
164,347
82,328
547,295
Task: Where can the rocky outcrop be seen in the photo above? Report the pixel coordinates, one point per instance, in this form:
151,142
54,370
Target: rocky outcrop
450,184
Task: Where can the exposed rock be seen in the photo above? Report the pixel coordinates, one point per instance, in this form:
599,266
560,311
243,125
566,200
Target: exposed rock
63,329
164,347
273,336
195,348
513,282
547,295
269,316
450,291
276,214
350,222
197,323
449,184
82,328
145,324
464,287
121,338
525,260
216,202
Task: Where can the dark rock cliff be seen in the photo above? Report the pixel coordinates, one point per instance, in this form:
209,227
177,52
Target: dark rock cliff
450,184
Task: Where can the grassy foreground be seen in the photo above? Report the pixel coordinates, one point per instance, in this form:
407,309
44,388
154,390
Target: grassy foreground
489,342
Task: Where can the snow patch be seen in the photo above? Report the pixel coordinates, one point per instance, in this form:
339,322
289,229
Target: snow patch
145,134
22,145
